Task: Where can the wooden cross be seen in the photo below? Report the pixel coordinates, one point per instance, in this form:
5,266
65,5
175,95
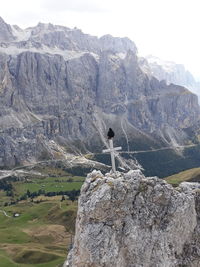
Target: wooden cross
112,153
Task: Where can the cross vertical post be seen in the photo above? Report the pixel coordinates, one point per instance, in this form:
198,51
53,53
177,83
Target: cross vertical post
112,153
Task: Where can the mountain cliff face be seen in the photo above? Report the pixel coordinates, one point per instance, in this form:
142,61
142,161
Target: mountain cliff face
130,220
59,84
170,72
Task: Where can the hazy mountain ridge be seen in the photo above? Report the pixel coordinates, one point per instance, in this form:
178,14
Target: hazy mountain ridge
170,72
60,84
54,39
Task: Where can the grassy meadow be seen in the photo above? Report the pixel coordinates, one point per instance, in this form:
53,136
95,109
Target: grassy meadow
191,175
41,235
48,184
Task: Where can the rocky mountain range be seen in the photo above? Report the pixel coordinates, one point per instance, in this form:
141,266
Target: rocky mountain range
170,72
131,220
61,89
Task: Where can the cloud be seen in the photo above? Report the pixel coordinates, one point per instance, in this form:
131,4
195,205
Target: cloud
89,6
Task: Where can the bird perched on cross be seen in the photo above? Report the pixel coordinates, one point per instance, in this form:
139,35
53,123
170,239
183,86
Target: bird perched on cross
110,133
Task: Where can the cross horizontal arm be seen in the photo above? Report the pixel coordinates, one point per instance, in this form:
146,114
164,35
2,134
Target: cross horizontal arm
117,148
112,149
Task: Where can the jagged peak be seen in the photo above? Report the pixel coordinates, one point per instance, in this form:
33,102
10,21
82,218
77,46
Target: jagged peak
64,38
119,43
6,34
48,26
2,21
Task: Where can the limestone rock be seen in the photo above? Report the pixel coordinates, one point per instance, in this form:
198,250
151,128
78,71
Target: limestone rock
129,220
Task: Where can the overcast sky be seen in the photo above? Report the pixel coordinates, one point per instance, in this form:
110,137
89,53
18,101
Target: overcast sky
168,29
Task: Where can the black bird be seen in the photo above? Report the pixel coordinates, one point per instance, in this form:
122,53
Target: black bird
110,133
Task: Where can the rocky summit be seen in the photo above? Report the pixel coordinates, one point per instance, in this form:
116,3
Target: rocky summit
129,220
61,89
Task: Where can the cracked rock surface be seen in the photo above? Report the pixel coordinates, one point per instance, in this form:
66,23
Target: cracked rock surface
129,220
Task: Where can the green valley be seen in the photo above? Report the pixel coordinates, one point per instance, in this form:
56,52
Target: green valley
37,219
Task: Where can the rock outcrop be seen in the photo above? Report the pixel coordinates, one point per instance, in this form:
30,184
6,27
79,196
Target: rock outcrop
129,220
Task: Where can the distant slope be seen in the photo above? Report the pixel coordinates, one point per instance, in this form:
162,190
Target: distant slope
171,72
191,175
